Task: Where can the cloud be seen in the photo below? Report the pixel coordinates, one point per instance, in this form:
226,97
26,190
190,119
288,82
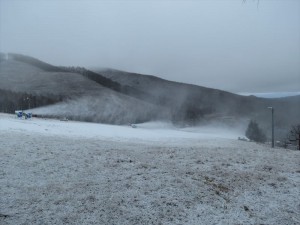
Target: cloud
226,45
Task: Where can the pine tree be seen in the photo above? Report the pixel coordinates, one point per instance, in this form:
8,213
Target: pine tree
254,133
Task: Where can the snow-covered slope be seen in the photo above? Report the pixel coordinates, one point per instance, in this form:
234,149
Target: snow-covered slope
151,131
82,98
107,107
58,172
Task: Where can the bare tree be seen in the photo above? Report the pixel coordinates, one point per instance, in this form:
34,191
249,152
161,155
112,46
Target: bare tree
295,134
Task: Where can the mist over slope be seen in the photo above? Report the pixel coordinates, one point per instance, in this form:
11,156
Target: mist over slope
27,83
112,96
105,107
200,104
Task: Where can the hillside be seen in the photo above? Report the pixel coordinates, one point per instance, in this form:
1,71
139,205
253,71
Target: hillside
189,100
22,77
206,104
27,83
178,96
112,96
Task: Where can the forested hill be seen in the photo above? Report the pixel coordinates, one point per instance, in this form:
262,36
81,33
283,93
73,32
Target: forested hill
113,96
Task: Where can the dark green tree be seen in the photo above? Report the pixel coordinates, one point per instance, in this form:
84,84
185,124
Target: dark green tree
254,133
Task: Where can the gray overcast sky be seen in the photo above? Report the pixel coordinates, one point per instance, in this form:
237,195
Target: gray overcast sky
228,45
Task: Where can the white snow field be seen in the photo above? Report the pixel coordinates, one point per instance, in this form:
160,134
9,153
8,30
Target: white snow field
58,172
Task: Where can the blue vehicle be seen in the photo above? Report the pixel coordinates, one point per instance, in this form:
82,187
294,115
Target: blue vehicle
27,115
20,114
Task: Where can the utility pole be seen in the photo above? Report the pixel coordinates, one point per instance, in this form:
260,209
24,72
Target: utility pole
272,125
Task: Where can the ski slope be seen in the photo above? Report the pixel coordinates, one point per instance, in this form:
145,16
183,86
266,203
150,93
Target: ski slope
66,172
147,132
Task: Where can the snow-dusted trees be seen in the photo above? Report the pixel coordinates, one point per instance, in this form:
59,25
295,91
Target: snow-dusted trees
11,101
254,133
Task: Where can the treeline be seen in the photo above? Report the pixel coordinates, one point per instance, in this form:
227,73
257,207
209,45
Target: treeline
188,112
106,82
11,101
98,78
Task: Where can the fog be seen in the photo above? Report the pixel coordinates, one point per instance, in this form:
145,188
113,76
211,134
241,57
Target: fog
231,45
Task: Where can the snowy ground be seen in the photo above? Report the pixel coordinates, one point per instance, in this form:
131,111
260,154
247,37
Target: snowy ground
56,172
